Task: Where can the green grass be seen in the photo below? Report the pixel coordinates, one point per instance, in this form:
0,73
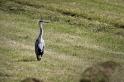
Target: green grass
81,33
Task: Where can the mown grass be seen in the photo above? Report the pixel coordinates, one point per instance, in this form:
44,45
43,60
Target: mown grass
81,33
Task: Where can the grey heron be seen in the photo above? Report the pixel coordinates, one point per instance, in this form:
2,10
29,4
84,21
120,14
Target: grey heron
39,43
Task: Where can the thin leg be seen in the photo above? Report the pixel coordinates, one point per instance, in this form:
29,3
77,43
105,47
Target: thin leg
38,58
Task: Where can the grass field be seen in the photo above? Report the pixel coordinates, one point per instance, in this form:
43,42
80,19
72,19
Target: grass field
81,34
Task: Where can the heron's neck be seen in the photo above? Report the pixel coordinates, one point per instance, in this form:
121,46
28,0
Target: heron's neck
41,30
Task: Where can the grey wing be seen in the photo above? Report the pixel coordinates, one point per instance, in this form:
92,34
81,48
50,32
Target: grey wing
37,49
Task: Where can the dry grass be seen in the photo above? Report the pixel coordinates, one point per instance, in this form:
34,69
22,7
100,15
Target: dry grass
101,72
81,34
31,80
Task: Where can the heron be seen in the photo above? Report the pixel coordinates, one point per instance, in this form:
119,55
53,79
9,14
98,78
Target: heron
39,43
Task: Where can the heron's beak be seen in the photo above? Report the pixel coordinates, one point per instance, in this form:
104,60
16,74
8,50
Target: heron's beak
46,21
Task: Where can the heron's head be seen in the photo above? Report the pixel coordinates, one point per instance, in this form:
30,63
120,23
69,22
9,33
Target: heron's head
43,21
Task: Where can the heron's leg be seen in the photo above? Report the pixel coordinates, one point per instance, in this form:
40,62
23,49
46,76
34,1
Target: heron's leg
38,57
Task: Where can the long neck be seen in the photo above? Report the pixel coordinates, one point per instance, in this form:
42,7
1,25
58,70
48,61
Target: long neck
41,29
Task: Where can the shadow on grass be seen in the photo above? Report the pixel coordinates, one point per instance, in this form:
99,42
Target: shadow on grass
121,33
26,60
119,25
100,72
5,75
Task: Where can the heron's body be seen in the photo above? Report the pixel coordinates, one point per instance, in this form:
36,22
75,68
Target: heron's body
39,44
39,48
